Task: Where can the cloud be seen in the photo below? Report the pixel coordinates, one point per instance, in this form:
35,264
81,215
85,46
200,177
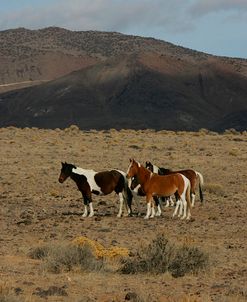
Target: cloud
115,15
201,8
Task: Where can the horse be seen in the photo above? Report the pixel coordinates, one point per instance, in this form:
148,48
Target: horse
191,174
99,183
153,184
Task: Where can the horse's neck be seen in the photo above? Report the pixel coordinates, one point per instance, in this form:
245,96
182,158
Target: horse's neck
81,171
143,175
77,177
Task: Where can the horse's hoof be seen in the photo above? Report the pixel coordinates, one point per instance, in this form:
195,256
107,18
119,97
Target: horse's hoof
146,217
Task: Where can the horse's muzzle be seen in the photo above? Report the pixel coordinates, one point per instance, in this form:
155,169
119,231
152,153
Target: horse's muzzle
61,180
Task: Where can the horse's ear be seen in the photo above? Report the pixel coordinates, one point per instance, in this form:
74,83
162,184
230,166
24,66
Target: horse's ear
130,160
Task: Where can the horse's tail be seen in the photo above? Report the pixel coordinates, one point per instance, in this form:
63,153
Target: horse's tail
188,194
201,182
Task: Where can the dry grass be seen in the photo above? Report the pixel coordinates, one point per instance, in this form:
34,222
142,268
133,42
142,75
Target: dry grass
7,293
37,211
214,188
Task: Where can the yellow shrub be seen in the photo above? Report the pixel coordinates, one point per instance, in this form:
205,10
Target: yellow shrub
99,250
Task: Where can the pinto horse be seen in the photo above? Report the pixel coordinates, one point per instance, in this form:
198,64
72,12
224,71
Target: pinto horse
99,183
192,175
153,184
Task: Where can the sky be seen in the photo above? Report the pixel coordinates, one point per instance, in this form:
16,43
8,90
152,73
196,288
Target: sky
217,27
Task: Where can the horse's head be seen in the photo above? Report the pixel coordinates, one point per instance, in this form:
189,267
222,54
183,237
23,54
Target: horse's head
149,166
66,171
132,169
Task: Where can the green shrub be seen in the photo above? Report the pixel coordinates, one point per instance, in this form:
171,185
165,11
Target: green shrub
160,256
64,257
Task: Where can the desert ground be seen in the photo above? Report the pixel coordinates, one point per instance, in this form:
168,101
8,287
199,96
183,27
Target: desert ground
37,210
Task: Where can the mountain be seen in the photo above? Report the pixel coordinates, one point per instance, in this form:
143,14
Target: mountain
101,80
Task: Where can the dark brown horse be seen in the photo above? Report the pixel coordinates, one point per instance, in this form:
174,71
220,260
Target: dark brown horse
193,176
99,183
153,184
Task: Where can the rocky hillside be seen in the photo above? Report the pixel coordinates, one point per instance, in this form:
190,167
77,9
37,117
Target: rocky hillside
105,80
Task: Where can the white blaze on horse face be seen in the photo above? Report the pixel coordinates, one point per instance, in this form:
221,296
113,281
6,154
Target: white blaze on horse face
129,167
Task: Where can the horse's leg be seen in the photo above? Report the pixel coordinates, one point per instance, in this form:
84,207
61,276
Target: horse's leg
184,203
157,204
152,209
188,202
137,201
183,198
158,213
167,202
85,211
171,201
148,199
193,199
121,201
87,201
181,207
178,203
193,190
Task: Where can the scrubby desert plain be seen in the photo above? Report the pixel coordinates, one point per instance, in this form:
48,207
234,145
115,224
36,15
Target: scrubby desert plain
37,211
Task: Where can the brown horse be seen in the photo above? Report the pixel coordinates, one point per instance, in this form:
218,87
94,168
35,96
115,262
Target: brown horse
193,176
99,183
153,184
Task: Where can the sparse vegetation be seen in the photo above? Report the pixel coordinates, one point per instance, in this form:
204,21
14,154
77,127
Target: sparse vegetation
7,294
214,188
82,252
37,211
161,256
64,257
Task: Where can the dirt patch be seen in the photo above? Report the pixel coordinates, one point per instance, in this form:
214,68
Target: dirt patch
37,210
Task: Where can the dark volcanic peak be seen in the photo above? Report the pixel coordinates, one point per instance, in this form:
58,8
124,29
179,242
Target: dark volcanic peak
105,80
128,93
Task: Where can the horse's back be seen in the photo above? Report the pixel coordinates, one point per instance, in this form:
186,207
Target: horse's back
165,185
188,173
110,181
